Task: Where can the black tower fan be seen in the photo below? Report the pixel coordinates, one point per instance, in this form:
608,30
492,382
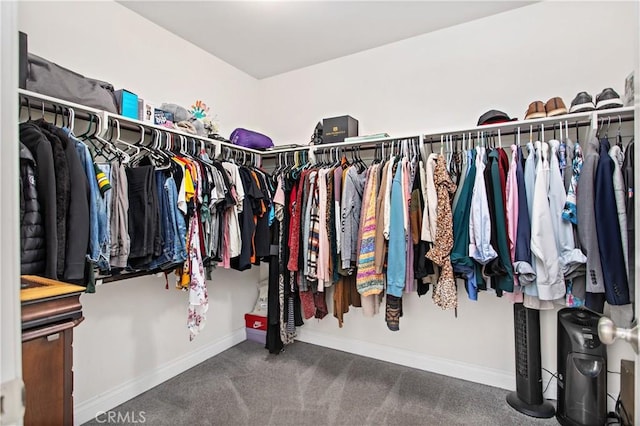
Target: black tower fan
582,369
527,398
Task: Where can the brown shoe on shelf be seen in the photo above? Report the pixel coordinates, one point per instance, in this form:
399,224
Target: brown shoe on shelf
555,106
536,110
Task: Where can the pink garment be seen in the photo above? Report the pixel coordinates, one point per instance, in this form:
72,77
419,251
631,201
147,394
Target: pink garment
512,220
512,203
337,197
226,250
278,198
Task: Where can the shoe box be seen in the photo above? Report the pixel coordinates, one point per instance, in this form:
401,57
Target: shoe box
256,327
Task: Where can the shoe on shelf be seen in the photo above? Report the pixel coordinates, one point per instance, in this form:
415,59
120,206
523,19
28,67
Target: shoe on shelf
555,106
535,110
608,98
583,102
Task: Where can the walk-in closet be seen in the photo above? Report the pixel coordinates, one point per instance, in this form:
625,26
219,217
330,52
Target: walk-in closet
324,212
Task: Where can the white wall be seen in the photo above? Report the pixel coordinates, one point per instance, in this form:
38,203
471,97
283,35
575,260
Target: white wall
447,79
443,79
135,331
11,348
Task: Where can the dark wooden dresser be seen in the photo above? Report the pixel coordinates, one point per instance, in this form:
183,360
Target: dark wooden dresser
50,311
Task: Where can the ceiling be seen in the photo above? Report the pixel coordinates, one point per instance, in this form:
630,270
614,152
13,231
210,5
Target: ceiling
266,38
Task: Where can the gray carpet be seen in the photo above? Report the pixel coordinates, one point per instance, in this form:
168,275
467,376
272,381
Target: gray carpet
312,385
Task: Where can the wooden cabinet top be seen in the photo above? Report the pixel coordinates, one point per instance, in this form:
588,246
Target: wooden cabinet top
33,288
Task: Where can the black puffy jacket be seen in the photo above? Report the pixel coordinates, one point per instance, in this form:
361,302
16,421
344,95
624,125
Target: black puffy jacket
32,237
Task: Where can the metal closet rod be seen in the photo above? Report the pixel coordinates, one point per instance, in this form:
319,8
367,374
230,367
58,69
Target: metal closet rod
53,105
506,129
363,144
581,119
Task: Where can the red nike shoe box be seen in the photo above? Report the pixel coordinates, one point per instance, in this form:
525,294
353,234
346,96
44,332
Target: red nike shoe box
255,322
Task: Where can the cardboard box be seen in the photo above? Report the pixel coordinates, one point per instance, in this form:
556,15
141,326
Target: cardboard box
337,129
257,322
145,111
127,103
160,117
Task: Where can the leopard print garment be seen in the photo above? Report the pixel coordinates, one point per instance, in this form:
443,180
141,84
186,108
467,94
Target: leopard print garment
444,294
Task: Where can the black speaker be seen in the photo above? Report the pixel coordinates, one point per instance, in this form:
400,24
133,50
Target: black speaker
528,398
582,369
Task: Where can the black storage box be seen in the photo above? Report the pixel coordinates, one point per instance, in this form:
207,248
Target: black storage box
336,129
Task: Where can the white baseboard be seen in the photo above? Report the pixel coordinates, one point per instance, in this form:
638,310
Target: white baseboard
87,410
460,370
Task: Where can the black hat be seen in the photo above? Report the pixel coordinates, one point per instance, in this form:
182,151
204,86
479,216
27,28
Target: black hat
494,116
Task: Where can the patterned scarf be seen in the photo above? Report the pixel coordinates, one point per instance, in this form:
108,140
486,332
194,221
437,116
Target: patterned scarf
569,212
444,295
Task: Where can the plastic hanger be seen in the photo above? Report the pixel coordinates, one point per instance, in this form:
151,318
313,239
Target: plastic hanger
619,134
120,141
110,148
89,127
28,108
72,120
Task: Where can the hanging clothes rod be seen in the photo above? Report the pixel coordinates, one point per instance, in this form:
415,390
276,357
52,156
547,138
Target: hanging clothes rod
362,144
581,119
51,105
134,125
50,102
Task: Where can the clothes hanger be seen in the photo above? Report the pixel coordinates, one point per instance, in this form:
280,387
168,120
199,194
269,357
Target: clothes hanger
28,108
72,120
120,141
89,127
600,127
619,134
161,159
90,133
110,148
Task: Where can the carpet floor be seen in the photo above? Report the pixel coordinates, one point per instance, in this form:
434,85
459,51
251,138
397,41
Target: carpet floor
312,385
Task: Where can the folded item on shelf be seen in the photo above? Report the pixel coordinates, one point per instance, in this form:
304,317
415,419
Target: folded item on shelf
48,78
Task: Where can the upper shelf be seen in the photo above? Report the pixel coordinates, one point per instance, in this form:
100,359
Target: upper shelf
547,123
581,119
